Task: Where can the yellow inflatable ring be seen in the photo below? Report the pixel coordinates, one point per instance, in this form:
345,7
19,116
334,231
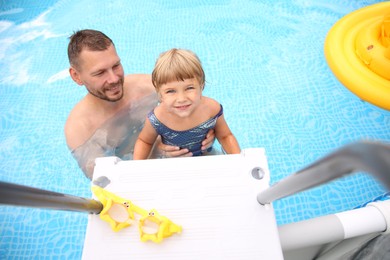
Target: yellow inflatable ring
357,49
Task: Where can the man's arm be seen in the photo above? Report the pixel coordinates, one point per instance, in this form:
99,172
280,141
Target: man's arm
86,154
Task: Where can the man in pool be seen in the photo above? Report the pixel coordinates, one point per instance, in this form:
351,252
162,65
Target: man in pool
107,121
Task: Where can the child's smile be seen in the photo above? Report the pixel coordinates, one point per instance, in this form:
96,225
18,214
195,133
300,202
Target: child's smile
181,98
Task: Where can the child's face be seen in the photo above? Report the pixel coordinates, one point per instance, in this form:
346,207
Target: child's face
180,98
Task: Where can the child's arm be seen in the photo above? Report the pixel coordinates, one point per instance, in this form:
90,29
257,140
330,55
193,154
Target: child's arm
145,141
225,137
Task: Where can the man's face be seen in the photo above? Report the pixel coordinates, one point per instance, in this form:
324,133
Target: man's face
101,72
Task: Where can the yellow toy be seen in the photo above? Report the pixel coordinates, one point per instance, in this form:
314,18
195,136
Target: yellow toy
166,227
121,213
357,49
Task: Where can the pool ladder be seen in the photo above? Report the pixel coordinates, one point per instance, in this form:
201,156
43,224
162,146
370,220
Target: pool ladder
370,157
325,236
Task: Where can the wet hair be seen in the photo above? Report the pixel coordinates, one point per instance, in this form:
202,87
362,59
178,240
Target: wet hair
177,64
86,39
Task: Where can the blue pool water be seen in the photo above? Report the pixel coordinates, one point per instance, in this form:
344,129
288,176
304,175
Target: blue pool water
263,60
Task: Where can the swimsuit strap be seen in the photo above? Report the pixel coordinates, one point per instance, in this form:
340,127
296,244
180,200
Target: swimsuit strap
220,112
160,127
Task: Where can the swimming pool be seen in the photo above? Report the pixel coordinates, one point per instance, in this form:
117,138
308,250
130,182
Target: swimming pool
263,61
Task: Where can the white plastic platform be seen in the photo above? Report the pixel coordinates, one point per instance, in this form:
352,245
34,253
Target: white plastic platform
212,197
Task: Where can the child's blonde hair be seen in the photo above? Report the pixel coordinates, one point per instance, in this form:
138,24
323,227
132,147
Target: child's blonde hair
177,64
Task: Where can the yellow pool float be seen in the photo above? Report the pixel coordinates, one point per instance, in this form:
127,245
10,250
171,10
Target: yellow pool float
357,49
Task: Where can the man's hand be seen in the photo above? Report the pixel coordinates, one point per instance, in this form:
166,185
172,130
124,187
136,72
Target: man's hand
168,151
209,140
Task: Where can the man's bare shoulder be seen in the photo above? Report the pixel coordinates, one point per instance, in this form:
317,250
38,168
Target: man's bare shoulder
78,127
139,78
141,83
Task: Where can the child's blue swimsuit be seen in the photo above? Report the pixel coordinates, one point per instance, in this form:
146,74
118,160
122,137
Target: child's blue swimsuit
191,139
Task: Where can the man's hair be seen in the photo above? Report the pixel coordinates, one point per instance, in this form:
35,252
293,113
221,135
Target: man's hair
86,39
177,64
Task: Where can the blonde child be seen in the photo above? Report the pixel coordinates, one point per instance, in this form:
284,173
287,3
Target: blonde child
183,116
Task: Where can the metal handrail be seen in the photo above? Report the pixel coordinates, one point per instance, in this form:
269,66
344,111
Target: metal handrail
19,195
370,157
